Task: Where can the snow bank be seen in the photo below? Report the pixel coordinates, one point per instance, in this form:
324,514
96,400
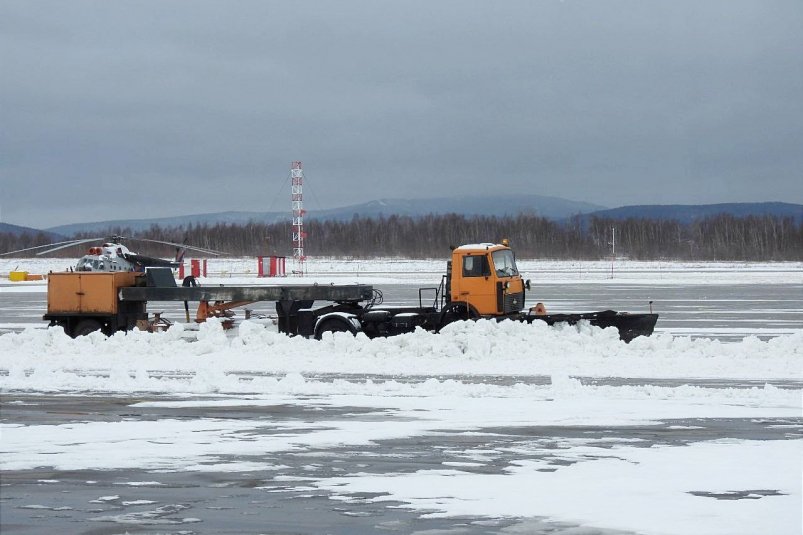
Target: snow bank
48,360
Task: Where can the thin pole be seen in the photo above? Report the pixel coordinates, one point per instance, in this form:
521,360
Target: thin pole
613,248
297,201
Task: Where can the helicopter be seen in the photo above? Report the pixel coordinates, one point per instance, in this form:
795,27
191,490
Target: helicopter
113,256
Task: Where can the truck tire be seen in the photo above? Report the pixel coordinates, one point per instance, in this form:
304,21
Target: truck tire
84,327
457,312
334,325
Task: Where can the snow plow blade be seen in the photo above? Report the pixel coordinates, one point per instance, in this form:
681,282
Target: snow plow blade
629,326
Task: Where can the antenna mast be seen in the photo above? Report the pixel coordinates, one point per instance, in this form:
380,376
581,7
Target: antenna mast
297,202
613,248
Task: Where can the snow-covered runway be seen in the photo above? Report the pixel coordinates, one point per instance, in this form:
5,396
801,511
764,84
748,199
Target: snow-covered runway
484,428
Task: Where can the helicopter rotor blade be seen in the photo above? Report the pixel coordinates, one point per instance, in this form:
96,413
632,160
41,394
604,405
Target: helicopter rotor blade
35,248
76,242
63,244
114,239
183,245
202,250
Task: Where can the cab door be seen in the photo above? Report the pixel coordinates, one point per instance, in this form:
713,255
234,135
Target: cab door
475,283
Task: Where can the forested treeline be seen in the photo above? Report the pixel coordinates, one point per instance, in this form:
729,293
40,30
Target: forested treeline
721,237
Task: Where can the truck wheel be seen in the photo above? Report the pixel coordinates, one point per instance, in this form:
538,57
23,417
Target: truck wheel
333,325
457,312
85,327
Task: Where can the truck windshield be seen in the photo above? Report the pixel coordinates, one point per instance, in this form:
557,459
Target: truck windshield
504,263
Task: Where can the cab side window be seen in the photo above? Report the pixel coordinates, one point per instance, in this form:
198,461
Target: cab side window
476,266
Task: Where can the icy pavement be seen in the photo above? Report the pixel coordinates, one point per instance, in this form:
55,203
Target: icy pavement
358,457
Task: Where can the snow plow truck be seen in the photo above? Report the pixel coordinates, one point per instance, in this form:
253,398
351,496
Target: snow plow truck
481,281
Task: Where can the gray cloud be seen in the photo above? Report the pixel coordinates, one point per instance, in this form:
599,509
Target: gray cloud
113,110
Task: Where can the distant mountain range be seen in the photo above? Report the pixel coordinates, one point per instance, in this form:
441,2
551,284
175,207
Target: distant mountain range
551,207
688,213
17,230
500,205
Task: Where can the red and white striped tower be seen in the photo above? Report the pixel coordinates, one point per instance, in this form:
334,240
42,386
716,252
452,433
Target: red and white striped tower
297,201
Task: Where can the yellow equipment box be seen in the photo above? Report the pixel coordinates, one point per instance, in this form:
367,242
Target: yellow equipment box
17,276
88,292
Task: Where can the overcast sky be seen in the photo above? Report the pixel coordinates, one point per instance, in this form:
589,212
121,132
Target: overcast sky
141,109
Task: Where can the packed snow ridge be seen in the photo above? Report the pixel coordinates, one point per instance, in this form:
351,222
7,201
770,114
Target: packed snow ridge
48,360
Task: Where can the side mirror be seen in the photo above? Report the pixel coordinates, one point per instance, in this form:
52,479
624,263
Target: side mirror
527,284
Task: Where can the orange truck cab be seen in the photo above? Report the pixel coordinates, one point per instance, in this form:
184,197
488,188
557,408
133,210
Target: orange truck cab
484,279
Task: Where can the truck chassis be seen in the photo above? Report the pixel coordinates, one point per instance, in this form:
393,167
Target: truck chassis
351,308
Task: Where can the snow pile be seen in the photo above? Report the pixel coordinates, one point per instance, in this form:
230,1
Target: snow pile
48,360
